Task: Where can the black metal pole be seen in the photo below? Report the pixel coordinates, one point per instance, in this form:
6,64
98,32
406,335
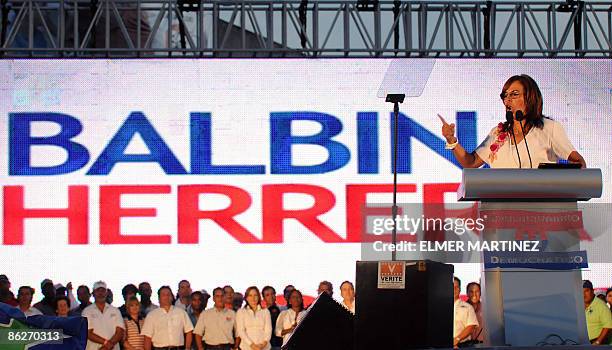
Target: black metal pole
4,19
486,15
181,9
303,18
396,32
578,29
394,208
396,99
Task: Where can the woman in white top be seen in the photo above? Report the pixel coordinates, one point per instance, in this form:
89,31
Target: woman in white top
546,138
24,297
288,319
347,290
253,323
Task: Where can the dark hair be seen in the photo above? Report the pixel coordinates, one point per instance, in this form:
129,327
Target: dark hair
533,100
467,288
61,291
109,296
84,286
458,281
178,286
129,288
228,286
25,287
132,299
301,296
201,295
608,291
238,299
198,293
61,297
165,287
246,294
216,289
266,288
183,281
349,282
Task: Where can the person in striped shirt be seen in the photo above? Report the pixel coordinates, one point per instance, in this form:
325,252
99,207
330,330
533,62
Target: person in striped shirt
134,321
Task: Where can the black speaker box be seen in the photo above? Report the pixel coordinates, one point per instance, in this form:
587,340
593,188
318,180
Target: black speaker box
417,316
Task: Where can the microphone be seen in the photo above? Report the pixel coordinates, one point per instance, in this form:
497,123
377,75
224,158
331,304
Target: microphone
519,117
510,121
509,118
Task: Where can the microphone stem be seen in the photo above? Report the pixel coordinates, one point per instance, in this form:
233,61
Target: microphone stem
515,145
526,145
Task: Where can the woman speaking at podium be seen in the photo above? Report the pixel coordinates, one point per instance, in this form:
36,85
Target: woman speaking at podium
526,139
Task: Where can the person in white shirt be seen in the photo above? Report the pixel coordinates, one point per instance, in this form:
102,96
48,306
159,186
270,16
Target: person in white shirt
347,290
215,326
104,322
473,293
289,319
24,298
545,138
168,326
465,318
253,323
183,296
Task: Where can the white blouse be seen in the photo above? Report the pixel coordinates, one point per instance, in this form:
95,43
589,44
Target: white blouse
286,320
546,145
253,327
351,309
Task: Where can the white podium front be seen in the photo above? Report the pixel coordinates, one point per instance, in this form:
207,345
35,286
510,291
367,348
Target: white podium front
523,306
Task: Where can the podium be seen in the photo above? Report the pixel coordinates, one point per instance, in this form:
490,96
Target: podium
417,316
523,302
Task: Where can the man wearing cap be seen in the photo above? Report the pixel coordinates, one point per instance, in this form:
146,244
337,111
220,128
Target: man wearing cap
104,322
168,327
47,304
598,316
6,296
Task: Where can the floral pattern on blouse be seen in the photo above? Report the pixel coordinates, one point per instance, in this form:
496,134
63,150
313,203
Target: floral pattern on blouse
500,138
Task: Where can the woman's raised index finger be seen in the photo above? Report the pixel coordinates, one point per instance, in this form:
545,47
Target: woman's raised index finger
442,119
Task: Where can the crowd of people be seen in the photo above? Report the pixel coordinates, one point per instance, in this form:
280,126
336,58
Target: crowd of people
250,321
468,321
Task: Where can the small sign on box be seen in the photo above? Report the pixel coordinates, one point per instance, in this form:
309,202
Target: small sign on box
391,275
